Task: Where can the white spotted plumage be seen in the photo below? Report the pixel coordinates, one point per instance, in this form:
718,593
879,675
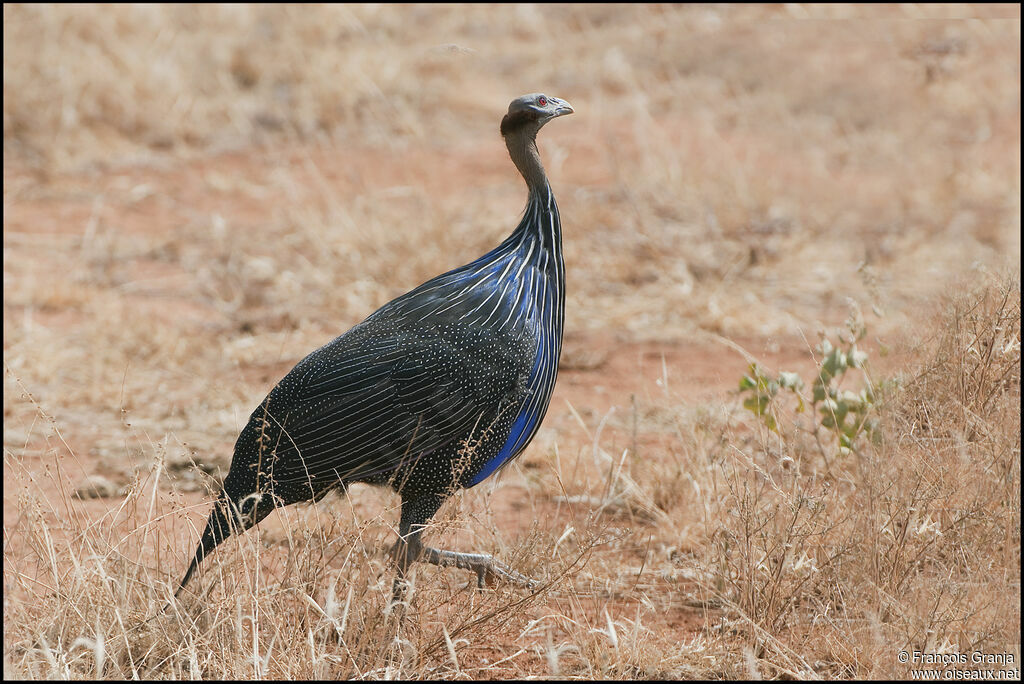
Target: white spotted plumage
433,391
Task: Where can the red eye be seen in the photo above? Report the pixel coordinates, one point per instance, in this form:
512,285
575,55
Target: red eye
542,101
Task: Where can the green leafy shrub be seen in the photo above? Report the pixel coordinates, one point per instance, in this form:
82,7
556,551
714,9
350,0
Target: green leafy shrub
846,414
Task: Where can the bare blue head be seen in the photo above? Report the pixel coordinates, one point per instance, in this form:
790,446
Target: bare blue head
530,112
526,115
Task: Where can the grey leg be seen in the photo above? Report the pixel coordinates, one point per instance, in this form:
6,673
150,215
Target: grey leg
409,548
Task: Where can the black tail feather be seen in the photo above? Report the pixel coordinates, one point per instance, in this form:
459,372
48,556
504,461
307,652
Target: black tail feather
219,526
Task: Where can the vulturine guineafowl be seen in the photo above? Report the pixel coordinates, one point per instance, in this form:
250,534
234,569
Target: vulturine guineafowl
433,392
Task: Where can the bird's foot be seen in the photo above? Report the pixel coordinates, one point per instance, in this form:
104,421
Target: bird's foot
399,603
487,569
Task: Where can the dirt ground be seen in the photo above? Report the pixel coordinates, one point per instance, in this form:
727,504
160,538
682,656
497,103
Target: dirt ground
603,371
600,369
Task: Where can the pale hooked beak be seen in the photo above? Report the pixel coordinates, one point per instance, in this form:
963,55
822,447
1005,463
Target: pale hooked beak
561,107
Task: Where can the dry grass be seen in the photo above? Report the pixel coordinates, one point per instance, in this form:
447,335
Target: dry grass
195,197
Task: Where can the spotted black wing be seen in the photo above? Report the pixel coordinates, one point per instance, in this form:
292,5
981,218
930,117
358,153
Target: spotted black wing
377,397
